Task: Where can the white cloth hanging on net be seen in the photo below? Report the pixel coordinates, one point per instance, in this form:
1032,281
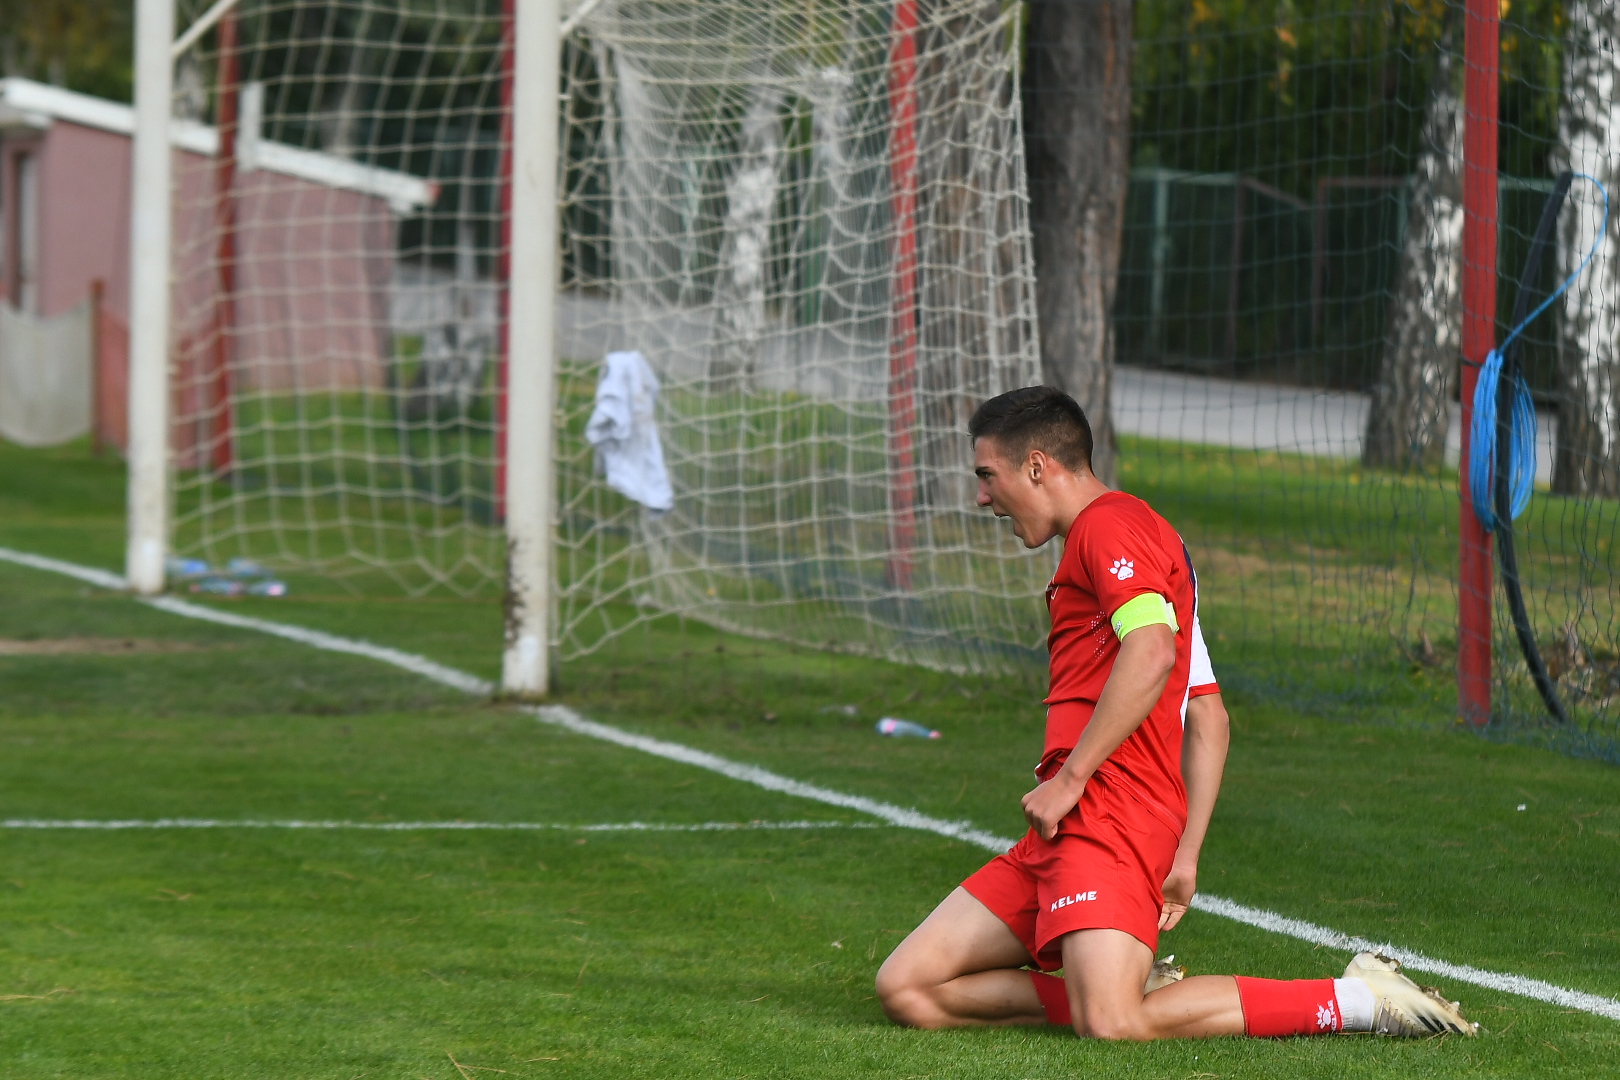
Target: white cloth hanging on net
45,375
624,431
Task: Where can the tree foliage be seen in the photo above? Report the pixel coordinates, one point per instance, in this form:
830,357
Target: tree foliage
85,45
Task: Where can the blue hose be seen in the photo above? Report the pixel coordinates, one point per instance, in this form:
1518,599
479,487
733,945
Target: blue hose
1482,444
1482,432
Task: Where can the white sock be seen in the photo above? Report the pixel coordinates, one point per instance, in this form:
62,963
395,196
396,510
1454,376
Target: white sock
1356,1004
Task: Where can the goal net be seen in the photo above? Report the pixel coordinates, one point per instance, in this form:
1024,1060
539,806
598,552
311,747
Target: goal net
809,218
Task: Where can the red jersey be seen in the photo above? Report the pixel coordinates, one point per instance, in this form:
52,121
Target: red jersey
1117,550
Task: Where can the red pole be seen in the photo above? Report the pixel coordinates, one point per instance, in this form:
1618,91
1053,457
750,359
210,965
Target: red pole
503,257
219,377
1478,338
903,334
98,381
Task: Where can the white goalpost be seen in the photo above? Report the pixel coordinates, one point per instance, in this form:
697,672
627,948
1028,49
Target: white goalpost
532,366
400,240
149,299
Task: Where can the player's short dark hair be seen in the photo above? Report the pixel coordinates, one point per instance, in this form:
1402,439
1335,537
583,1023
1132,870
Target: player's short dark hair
1036,418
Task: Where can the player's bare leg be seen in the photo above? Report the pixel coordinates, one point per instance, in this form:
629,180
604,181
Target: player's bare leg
961,967
1105,971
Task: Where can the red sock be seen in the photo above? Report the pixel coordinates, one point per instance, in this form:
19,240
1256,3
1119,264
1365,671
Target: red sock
1275,1007
1054,995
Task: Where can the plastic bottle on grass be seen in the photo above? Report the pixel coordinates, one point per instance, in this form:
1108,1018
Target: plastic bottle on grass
176,567
892,725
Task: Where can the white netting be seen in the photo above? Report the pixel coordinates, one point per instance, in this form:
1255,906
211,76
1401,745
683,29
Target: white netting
808,216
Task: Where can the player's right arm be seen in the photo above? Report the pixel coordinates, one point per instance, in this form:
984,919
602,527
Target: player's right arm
1147,655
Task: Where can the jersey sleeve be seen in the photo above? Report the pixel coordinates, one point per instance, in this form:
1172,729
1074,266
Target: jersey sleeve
1122,555
1201,676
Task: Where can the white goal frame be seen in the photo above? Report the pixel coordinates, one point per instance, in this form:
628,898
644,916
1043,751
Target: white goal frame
532,286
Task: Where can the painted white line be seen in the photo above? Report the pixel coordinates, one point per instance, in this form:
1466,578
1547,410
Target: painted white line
1521,985
563,717
116,825
104,579
418,665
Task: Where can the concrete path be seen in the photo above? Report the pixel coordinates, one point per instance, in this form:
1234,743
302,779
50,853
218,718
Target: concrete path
1259,416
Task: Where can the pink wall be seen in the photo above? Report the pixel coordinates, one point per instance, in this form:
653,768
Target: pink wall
314,265
83,218
312,278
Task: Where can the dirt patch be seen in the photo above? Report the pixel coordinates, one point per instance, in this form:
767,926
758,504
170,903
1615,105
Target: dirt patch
95,646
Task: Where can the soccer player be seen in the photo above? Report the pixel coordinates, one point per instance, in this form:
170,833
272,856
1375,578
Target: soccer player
1083,890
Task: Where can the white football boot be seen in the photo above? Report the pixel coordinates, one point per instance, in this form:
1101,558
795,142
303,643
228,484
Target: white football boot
1164,973
1402,1007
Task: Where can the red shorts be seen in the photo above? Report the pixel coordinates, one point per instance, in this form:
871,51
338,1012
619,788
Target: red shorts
1104,870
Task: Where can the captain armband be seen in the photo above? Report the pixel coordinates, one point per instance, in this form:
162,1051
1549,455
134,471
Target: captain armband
1149,609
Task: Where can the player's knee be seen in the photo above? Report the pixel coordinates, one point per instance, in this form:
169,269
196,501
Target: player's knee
1110,1025
905,998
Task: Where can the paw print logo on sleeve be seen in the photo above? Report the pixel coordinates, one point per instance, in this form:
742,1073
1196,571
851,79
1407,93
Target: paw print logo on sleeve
1123,569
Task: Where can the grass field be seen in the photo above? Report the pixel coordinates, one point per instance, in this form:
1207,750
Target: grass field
279,953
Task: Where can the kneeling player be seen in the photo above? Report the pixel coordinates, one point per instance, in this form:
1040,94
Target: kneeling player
1083,890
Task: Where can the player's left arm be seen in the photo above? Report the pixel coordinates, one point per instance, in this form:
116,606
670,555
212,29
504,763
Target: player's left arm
1203,763
1147,656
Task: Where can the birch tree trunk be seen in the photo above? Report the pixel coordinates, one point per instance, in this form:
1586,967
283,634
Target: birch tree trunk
1588,456
745,250
1407,416
1077,99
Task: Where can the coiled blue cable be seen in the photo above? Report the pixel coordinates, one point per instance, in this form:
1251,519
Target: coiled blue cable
1482,445
1482,432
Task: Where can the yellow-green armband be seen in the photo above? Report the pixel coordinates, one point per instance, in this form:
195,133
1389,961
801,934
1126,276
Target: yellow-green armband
1146,610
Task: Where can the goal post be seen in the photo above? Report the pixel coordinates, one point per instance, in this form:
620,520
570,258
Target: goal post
531,291
150,231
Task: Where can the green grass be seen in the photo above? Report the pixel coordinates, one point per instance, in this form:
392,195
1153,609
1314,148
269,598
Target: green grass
338,954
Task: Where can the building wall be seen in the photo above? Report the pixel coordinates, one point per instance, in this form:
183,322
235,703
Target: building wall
313,273
83,218
313,270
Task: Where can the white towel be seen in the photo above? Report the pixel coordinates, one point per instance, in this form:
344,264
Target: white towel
624,432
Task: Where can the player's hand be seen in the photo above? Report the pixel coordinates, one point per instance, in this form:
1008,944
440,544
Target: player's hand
1050,803
1179,888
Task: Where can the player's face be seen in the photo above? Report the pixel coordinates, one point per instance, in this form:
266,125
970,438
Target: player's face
1009,490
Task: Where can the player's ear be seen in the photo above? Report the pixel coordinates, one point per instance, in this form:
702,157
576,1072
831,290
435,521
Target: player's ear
1036,466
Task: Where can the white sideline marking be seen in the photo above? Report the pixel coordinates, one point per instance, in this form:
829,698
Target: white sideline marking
105,579
566,718
1413,961
420,665
116,825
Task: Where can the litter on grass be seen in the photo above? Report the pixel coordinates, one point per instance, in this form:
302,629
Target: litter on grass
893,725
239,577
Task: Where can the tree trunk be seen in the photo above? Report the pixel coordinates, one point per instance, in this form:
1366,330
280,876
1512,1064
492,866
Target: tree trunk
1407,416
746,248
1588,456
1077,100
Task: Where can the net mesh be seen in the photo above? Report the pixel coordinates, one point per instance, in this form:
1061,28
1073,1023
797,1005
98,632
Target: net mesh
337,233
810,217
1290,298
